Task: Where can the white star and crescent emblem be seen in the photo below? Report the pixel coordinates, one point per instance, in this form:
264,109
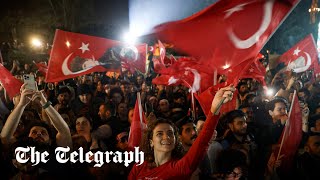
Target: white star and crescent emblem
298,65
266,20
84,47
296,51
237,8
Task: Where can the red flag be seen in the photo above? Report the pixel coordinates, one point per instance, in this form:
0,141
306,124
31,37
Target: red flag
251,68
167,80
205,99
194,75
291,136
227,32
162,51
302,56
138,124
9,82
76,54
139,64
42,68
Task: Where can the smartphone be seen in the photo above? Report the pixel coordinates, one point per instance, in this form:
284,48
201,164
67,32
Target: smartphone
31,83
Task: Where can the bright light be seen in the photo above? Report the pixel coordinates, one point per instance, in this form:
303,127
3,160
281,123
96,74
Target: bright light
226,66
68,44
129,38
270,92
36,42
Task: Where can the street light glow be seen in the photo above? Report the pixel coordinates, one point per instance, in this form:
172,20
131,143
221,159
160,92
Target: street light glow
36,42
270,92
129,38
68,44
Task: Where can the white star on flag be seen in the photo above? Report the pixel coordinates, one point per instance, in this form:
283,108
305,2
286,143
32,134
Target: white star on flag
297,51
6,80
239,7
172,80
251,69
84,47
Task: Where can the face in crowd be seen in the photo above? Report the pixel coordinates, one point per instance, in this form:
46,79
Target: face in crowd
163,139
85,98
279,111
83,126
64,98
116,98
39,134
188,134
104,112
238,126
313,146
123,109
164,105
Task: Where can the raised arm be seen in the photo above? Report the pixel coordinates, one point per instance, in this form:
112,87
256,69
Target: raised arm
199,148
13,120
63,137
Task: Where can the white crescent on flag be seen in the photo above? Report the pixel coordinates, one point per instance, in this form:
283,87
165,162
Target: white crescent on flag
296,67
66,71
244,44
196,81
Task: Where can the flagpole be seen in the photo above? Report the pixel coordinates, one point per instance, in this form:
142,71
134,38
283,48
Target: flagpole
285,125
192,99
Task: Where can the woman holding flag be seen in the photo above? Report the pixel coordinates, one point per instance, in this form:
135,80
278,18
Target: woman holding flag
163,150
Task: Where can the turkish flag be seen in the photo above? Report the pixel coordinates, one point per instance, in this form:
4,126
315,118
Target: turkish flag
302,56
205,99
291,136
42,68
9,82
162,51
251,68
138,124
167,80
76,54
140,63
227,32
194,75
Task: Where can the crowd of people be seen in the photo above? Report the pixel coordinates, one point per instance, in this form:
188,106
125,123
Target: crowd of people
95,111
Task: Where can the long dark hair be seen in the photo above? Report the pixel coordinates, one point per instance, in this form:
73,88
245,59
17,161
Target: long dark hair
177,152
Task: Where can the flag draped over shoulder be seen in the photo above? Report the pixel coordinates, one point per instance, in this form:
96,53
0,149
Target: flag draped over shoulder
138,124
227,32
76,54
9,82
302,56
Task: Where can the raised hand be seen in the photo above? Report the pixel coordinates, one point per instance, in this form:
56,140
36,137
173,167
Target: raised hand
224,95
26,95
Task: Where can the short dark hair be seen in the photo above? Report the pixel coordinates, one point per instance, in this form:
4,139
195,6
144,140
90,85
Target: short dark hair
231,115
271,105
305,90
241,84
183,121
40,124
64,89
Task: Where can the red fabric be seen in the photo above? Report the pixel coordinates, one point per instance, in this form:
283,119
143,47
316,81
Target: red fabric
217,36
162,51
139,64
250,68
42,67
9,82
303,55
193,75
206,97
183,168
137,126
76,54
292,136
166,80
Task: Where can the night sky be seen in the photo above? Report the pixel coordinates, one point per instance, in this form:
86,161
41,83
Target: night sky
110,18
